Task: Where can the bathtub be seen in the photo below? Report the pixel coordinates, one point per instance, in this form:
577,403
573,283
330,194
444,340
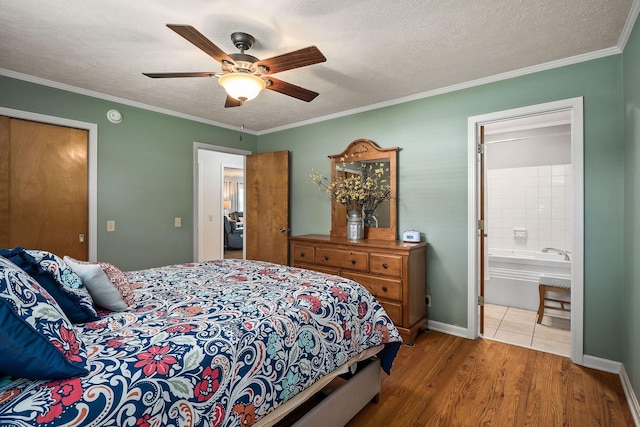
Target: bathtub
514,274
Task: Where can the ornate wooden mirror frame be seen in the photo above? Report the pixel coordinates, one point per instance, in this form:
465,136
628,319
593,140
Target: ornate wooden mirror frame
366,151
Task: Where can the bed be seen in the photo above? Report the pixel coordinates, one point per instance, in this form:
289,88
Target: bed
217,343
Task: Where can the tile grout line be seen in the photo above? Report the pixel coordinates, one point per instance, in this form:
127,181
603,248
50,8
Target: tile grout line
533,335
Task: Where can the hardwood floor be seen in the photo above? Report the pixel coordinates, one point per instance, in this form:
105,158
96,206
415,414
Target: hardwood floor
233,253
450,381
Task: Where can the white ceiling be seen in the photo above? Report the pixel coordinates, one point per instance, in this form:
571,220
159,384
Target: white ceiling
378,52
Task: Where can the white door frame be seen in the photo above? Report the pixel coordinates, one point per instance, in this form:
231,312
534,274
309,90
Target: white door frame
575,106
92,164
196,187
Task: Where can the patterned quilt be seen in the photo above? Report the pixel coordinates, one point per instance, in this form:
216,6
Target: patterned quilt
219,343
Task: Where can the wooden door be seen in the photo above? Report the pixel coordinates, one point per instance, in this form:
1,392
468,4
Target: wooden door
44,195
266,216
5,144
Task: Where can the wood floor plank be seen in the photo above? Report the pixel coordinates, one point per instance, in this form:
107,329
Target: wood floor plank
573,389
451,381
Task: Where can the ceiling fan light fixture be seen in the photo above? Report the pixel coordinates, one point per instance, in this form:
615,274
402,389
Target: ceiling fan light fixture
242,86
244,76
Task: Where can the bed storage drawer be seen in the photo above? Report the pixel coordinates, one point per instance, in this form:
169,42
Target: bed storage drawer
345,398
352,260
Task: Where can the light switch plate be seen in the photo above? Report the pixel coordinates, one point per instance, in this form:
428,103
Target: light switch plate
177,221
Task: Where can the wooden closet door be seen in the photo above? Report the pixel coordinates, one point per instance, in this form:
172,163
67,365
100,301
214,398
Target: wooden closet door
47,188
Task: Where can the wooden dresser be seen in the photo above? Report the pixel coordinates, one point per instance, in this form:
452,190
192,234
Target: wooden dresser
393,271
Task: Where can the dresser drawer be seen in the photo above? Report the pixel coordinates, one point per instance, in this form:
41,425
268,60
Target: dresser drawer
393,271
380,287
394,310
319,268
358,261
302,253
389,265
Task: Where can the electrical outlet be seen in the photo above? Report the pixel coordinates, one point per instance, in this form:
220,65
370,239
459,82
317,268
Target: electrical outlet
177,221
427,300
111,225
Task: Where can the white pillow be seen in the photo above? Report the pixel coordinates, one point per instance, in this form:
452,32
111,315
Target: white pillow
103,292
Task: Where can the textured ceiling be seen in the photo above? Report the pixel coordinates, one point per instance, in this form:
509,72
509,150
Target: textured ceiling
377,51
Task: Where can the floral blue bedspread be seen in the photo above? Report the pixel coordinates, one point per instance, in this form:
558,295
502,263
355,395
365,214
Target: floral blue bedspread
218,343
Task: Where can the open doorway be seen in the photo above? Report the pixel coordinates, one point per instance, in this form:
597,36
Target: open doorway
528,210
210,212
266,203
233,204
527,230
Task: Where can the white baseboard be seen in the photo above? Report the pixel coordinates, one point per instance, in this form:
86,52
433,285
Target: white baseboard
605,365
632,400
446,328
617,368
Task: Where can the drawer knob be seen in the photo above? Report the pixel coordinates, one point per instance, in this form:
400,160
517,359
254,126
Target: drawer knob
353,261
384,289
385,266
326,258
301,254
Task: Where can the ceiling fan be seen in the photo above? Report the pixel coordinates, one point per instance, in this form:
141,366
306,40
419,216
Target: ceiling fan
244,76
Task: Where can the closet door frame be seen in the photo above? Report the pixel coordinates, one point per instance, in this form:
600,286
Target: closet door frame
92,129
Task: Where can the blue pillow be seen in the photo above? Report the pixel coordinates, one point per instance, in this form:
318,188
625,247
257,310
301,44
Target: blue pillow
58,279
37,341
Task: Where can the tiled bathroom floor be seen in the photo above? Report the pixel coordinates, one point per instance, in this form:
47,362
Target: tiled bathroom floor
517,326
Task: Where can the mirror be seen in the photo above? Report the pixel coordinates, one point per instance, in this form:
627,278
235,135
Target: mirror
363,157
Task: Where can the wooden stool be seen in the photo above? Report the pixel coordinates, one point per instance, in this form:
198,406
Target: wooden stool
556,284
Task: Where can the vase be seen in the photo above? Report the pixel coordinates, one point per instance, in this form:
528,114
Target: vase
355,225
370,219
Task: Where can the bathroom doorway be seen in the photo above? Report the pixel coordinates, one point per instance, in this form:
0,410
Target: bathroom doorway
528,214
530,229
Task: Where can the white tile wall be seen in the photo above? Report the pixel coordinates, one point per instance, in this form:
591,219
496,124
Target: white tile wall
538,199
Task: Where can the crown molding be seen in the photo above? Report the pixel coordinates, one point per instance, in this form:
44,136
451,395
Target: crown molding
454,88
124,101
629,23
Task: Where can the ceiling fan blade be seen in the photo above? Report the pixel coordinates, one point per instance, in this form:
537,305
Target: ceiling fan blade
291,90
168,75
296,59
197,39
232,102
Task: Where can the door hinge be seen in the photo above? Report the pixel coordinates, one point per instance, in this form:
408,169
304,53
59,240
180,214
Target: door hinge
480,148
480,300
481,224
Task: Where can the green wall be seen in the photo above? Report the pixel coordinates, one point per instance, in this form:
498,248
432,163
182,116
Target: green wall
432,135
145,171
631,336
145,178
